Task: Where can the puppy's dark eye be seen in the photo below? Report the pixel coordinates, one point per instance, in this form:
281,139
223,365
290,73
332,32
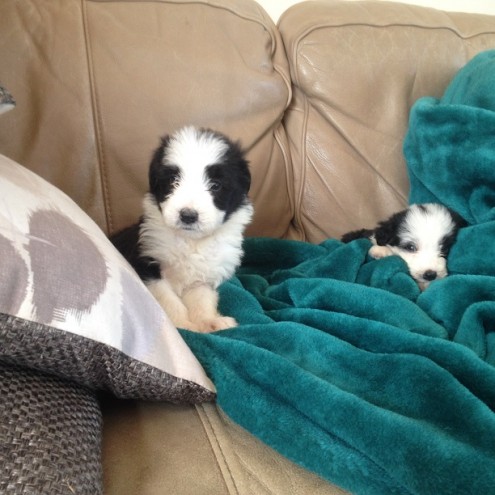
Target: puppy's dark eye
410,247
215,185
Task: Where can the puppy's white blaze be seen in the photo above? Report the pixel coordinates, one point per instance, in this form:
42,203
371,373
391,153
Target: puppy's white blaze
426,227
192,151
429,223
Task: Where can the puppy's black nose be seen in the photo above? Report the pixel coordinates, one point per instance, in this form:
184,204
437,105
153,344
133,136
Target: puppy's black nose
429,275
188,216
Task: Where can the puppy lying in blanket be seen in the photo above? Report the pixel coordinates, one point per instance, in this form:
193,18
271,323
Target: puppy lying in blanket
422,235
189,239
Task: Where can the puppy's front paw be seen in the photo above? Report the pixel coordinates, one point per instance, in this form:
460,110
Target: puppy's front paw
223,322
378,252
215,324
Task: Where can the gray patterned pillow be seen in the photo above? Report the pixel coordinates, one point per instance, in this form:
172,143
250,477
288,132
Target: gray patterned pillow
71,305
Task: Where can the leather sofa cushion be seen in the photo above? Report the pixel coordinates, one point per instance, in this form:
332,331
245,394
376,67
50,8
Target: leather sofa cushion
157,448
99,82
357,68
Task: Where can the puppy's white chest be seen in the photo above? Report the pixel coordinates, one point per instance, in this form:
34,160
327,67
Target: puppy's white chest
205,261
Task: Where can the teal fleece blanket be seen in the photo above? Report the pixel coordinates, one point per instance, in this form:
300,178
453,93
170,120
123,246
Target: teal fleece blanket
342,365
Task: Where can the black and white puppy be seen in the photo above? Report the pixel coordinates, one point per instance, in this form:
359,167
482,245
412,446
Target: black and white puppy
422,235
189,238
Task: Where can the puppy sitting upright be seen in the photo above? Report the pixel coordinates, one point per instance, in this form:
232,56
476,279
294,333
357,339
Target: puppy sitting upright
421,235
189,239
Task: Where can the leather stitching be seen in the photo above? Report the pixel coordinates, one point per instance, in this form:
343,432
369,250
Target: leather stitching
98,124
211,435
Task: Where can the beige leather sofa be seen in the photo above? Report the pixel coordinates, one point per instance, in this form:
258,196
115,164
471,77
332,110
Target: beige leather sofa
320,102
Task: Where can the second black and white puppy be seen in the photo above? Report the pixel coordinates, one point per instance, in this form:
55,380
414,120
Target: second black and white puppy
422,235
189,238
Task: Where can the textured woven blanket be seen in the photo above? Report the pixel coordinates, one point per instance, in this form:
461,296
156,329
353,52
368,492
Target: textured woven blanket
342,365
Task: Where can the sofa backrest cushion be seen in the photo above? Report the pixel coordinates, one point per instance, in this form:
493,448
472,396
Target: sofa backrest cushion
357,68
97,83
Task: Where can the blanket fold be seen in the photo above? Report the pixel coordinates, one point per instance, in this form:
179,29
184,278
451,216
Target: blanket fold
342,365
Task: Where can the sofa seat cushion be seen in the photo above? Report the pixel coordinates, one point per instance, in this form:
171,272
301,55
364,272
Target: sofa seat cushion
157,448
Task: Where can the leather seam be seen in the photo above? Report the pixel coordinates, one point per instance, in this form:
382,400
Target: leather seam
329,25
97,122
295,220
208,428
300,193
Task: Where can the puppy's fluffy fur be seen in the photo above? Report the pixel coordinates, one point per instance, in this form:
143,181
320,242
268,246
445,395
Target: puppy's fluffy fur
422,235
189,239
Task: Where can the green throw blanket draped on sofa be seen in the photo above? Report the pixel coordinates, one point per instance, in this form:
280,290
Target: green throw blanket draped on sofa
342,365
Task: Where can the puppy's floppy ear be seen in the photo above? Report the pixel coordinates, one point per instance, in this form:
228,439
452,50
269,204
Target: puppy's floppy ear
457,219
448,240
156,163
162,176
236,156
386,232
